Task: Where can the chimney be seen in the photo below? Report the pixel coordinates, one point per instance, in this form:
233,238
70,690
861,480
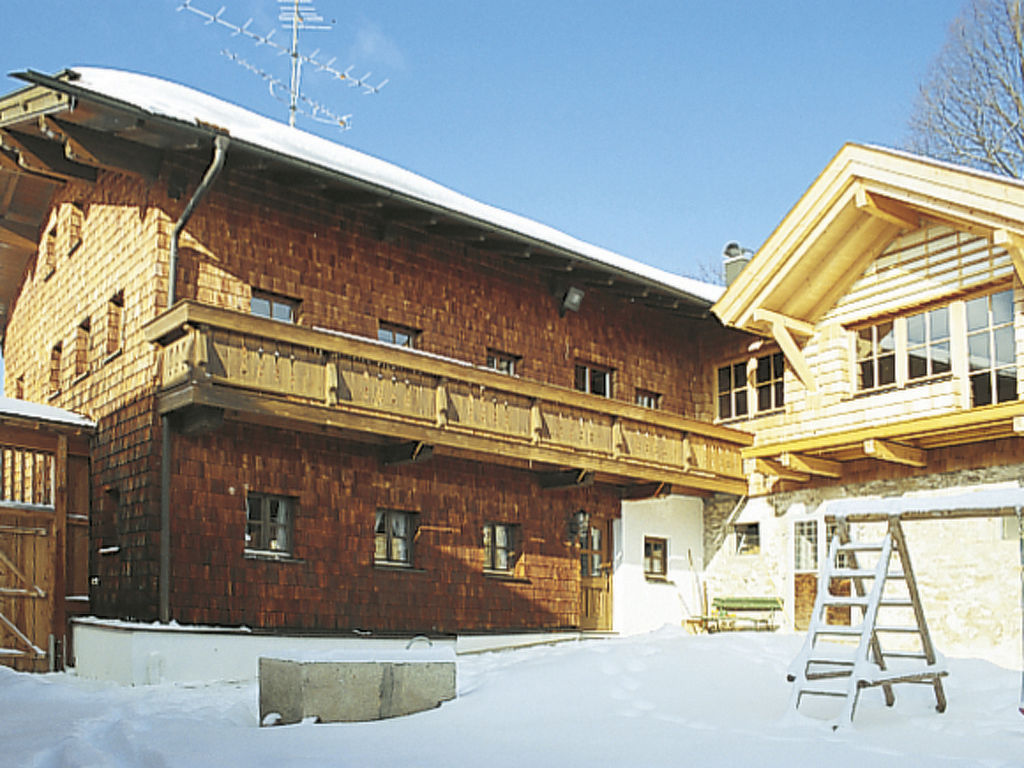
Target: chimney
735,257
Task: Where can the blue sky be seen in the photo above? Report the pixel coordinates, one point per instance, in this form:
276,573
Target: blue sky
657,129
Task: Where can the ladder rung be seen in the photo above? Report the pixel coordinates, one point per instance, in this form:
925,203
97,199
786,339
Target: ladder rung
904,655
838,629
863,573
844,600
822,692
902,630
861,546
836,662
897,603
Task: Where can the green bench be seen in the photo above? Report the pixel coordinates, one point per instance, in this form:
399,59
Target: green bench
727,614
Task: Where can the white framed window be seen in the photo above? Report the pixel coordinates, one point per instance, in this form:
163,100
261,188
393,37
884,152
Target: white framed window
500,546
769,378
805,545
928,338
876,356
759,380
398,335
991,350
647,399
394,533
268,523
280,308
503,362
732,391
593,379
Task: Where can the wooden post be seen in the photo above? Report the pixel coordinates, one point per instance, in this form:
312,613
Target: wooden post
60,524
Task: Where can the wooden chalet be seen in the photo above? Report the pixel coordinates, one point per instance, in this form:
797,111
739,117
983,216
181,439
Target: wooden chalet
888,303
331,395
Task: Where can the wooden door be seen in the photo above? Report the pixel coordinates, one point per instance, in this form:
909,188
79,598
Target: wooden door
26,588
594,539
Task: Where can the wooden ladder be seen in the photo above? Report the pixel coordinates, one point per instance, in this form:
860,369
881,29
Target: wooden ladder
883,593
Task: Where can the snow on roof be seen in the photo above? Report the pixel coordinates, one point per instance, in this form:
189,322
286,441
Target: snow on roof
160,97
27,410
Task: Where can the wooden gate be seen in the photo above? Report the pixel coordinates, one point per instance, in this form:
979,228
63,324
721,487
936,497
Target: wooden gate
44,505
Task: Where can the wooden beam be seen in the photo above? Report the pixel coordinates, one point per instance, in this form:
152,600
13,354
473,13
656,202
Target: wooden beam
811,465
406,453
1013,242
646,491
45,157
570,478
798,327
896,453
771,468
887,209
88,147
18,235
794,355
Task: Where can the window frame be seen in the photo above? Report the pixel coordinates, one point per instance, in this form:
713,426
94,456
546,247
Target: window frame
583,378
387,515
267,528
991,331
274,301
412,335
652,558
645,398
495,358
929,345
495,553
746,383
875,355
748,538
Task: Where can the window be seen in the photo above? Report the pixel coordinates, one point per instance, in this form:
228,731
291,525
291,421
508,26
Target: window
842,561
769,375
50,252
74,227
928,344
876,356
82,348
805,542
19,388
399,335
55,358
748,538
502,362
593,380
268,523
393,537
732,391
767,390
274,307
115,323
648,399
655,557
990,349
500,545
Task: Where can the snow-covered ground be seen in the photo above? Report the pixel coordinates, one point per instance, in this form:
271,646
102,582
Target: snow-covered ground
660,699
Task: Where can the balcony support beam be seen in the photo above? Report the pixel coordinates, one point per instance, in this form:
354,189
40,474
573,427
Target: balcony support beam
406,453
561,481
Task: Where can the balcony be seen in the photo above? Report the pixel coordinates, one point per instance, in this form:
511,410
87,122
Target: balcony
414,404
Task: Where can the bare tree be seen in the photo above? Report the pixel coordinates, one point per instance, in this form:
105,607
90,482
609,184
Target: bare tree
970,108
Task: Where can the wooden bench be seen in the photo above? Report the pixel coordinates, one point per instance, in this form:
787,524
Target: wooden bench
724,614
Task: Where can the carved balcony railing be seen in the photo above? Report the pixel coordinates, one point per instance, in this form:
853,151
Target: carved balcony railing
270,372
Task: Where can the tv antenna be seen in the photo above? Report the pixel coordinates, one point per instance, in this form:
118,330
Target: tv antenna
295,17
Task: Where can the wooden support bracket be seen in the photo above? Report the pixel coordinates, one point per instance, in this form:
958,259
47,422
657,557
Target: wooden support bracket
560,481
896,453
405,453
771,468
811,465
1013,242
887,209
782,329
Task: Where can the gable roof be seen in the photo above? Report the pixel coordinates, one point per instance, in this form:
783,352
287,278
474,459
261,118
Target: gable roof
142,110
860,202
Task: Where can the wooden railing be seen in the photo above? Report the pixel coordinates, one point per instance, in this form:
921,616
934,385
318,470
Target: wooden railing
243,363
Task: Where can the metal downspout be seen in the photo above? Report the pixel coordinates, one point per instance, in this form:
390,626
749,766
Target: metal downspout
220,146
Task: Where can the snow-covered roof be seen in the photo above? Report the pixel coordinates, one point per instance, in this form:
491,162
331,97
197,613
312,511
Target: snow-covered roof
178,102
26,410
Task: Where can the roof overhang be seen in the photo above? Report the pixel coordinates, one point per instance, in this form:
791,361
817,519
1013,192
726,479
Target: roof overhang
863,199
57,129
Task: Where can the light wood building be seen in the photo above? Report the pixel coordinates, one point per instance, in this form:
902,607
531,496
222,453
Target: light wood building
890,363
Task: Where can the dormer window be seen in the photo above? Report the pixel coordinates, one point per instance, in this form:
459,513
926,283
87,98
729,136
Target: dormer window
274,307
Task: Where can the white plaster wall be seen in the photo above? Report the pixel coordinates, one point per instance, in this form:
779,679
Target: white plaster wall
968,574
765,574
641,604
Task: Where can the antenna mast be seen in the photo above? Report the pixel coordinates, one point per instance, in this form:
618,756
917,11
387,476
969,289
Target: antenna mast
295,16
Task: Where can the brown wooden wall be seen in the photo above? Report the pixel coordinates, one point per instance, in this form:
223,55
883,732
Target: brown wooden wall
331,581
349,271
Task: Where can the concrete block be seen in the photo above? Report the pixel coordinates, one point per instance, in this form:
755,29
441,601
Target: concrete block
352,691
